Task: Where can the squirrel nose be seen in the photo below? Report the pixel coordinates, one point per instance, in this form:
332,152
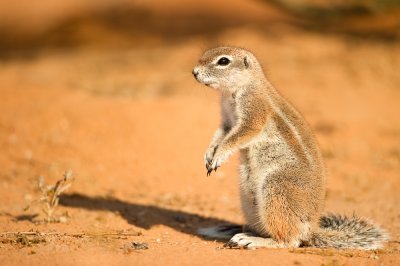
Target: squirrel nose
195,72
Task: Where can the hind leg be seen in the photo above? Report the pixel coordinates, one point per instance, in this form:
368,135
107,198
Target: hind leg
285,213
284,218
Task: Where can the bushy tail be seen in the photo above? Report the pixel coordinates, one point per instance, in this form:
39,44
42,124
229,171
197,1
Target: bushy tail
348,232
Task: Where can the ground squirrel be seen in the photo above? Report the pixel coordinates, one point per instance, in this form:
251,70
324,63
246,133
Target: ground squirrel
282,177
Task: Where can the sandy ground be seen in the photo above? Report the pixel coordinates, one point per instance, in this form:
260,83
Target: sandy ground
132,125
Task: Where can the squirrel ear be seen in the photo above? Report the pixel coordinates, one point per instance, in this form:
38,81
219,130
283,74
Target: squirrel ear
246,62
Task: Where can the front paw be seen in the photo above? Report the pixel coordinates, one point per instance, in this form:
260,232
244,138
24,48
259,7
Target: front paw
209,155
220,156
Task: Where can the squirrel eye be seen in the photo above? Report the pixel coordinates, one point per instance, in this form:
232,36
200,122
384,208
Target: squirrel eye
223,61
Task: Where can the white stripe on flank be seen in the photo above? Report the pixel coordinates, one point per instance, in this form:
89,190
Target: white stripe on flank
292,129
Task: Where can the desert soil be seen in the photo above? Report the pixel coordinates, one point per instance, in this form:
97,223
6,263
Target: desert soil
132,125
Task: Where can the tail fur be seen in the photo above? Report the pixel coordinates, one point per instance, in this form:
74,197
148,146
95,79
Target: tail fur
348,232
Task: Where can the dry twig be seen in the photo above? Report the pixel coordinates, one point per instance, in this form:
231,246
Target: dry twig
50,195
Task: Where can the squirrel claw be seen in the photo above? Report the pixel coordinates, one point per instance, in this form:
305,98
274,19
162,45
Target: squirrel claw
209,172
231,244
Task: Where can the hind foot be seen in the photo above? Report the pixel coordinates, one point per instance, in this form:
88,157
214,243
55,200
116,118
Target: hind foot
250,241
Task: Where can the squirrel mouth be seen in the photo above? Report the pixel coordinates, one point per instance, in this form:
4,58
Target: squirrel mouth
207,83
211,85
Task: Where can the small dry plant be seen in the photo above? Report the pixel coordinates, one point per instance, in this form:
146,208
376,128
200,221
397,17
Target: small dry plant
50,196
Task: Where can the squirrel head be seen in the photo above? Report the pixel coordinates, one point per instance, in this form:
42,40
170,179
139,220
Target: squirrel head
228,69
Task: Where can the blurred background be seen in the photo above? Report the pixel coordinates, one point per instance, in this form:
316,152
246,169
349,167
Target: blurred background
104,88
119,46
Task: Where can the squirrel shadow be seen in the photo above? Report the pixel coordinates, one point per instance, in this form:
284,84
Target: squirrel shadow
143,216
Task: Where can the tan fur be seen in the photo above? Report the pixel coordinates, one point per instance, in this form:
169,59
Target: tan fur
282,177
